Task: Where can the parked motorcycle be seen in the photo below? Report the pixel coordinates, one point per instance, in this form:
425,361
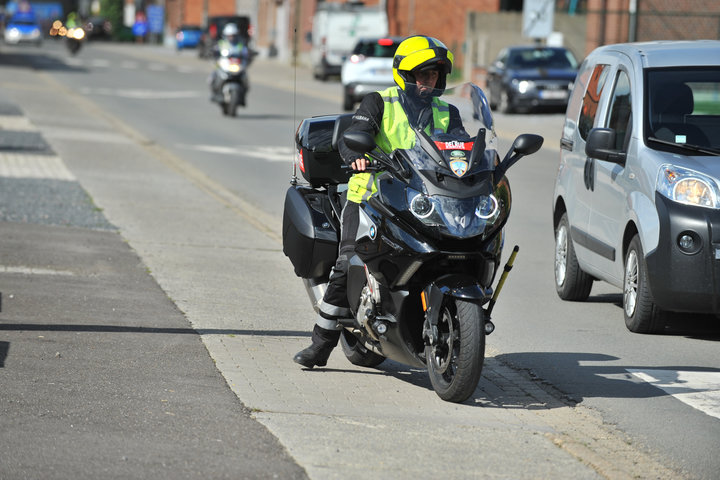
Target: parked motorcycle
428,247
74,39
229,83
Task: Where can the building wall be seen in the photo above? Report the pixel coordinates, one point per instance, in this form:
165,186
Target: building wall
442,20
678,19
281,26
610,21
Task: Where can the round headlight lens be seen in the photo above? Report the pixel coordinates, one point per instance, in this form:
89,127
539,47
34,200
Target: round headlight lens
421,206
487,207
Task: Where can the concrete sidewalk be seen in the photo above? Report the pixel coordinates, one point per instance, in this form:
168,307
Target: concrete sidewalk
221,265
102,376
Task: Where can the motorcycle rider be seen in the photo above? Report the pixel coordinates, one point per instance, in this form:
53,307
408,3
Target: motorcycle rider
420,68
230,44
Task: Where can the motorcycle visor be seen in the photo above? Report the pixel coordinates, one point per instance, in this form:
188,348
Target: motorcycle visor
454,217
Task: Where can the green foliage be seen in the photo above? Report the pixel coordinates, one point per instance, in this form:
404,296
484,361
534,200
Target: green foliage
112,10
707,107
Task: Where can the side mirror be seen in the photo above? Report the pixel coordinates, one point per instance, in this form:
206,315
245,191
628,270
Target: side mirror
601,144
525,144
361,142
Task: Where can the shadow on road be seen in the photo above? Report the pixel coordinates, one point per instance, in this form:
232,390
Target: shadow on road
691,325
37,61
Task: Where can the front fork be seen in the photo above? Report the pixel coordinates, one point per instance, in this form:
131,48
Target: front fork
432,299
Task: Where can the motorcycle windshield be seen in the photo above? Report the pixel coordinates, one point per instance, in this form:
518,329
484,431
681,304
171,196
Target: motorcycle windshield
448,175
456,144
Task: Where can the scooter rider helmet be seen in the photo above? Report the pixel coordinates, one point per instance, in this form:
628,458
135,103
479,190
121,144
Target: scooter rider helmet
418,53
230,31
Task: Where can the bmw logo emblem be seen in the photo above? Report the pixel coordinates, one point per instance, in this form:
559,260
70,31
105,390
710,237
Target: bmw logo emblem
373,232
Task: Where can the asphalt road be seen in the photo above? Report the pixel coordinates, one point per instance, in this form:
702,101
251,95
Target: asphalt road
198,197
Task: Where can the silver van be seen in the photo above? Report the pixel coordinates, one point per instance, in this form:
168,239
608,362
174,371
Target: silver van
637,194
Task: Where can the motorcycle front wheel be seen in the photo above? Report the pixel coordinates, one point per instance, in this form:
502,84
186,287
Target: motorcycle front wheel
231,106
455,362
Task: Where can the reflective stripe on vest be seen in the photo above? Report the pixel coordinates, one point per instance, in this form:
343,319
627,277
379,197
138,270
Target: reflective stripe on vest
395,133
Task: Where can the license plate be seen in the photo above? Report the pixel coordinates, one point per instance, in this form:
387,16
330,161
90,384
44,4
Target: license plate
553,94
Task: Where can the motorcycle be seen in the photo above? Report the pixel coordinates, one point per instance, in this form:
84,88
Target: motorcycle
428,246
230,83
74,39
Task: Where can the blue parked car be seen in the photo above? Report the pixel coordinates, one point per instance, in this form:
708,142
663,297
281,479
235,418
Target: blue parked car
523,78
188,36
23,27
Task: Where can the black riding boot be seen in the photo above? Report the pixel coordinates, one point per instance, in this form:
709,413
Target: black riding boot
323,342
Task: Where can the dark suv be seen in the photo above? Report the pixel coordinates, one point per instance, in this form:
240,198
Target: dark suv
213,31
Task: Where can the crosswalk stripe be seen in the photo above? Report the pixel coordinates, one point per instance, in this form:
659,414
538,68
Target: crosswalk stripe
699,389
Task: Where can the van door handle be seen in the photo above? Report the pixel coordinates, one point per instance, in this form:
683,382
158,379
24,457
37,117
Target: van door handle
589,174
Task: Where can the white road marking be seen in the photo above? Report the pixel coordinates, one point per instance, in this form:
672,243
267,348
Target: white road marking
142,94
33,166
270,154
17,123
700,390
33,271
84,135
99,62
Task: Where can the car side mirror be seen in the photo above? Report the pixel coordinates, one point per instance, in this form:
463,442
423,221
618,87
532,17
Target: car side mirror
600,144
361,142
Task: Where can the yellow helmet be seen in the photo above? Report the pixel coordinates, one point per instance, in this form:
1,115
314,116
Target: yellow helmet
421,53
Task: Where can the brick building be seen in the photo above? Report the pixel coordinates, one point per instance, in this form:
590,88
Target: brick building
612,21
282,26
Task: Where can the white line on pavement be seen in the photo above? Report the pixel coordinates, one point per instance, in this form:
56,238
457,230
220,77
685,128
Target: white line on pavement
700,390
33,166
270,154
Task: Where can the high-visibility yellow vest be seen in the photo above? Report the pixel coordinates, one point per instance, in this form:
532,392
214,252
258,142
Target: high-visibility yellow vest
395,133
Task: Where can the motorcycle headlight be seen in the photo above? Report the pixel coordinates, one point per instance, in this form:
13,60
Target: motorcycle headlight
687,186
457,217
421,206
229,65
488,208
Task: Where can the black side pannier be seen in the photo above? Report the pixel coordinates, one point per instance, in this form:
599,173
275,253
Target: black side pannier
309,240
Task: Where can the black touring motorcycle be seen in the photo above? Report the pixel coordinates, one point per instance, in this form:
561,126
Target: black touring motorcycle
428,245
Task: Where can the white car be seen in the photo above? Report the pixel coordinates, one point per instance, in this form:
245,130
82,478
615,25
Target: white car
368,69
637,193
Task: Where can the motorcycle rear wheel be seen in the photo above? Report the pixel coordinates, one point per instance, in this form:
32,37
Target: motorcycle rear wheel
455,363
356,352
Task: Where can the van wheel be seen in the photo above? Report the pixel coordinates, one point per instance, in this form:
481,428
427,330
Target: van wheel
641,313
571,283
505,105
491,100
